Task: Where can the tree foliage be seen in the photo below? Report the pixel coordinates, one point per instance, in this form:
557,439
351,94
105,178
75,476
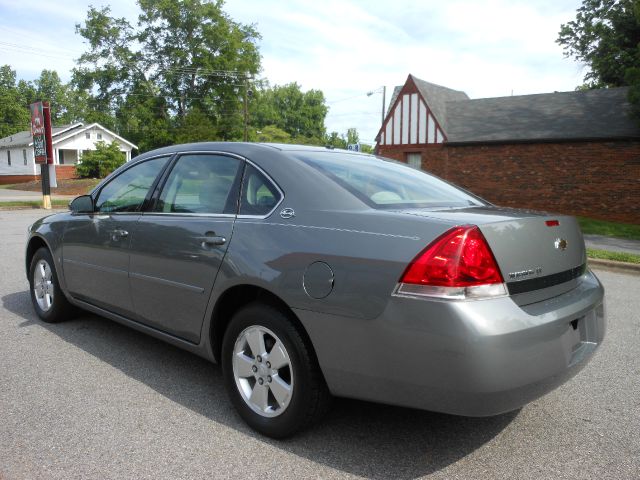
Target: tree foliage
15,97
179,74
100,162
300,114
182,58
605,36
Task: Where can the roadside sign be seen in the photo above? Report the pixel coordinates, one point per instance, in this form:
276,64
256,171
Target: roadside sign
38,132
355,147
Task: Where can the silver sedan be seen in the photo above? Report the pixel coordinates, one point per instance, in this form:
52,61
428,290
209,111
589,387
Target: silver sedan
312,272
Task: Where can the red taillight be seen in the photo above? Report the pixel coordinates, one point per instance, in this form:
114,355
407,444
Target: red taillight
460,257
552,223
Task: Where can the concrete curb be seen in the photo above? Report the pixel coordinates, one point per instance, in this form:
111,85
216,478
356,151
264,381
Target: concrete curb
631,268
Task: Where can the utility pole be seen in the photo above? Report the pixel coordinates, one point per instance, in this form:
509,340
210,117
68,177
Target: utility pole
382,90
384,95
246,109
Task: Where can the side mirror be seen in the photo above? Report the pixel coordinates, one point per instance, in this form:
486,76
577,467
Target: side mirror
82,204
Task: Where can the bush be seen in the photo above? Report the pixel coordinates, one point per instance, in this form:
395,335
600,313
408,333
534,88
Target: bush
100,162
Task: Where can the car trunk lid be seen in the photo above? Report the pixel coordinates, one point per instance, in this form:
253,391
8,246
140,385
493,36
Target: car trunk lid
540,255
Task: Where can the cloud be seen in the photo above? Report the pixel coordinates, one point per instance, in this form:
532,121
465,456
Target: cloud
347,48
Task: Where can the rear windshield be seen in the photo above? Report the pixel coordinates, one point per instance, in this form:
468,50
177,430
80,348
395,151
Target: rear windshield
385,184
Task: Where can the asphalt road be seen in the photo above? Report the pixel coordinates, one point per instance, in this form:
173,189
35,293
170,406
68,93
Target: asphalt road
92,399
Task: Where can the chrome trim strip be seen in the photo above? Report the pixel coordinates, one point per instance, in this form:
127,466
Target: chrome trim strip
273,182
96,267
239,157
189,214
334,229
129,164
170,283
450,294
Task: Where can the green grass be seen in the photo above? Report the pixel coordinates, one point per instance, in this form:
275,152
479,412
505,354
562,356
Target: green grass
615,256
34,204
609,229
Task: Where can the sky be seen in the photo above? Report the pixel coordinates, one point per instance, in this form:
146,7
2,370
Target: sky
347,48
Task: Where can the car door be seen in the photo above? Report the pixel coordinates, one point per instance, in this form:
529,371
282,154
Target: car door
96,245
179,246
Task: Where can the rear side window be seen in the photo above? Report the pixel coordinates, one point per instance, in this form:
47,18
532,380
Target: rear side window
201,184
259,195
385,184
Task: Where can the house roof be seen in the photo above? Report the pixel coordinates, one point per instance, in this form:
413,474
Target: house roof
588,114
437,98
579,115
58,134
24,139
89,127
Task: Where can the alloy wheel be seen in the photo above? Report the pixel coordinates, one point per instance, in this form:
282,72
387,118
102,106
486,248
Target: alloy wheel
43,285
262,371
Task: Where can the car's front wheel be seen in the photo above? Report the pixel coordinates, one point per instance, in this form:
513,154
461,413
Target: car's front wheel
48,300
271,373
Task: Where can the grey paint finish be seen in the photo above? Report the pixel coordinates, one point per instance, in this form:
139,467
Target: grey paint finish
472,358
96,259
172,270
468,357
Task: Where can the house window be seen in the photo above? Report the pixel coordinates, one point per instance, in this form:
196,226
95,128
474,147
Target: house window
99,136
414,160
9,157
24,156
87,135
61,157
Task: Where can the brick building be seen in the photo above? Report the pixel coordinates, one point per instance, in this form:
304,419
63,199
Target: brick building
569,152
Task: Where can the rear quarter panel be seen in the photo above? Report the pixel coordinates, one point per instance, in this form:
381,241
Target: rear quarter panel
367,251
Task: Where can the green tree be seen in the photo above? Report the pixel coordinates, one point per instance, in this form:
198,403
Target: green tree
188,53
270,134
49,87
287,107
605,36
100,162
334,139
352,136
15,98
194,127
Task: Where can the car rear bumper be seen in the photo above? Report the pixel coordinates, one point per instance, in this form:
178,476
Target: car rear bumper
474,358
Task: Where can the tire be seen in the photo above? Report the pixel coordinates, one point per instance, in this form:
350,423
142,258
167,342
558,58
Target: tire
47,298
276,402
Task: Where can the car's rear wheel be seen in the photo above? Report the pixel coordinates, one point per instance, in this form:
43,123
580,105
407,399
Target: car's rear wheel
270,372
48,300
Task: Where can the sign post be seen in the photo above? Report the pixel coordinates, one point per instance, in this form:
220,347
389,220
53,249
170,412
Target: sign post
42,146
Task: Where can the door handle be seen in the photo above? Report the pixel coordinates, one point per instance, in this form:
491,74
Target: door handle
119,234
210,238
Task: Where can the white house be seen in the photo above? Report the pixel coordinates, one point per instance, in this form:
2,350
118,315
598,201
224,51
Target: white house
16,151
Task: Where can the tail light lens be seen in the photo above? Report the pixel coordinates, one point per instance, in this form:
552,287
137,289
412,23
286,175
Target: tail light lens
457,265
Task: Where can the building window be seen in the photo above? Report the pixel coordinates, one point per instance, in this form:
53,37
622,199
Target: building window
9,157
61,157
24,156
99,136
414,160
87,135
